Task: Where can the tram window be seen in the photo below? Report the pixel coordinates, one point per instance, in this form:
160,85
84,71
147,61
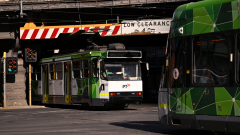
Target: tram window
85,64
76,69
53,71
210,59
102,71
76,73
59,71
84,69
76,64
95,67
85,73
38,73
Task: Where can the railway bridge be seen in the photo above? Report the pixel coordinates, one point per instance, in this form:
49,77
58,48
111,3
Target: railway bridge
40,24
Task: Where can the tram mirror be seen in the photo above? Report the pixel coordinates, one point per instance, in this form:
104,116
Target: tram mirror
147,66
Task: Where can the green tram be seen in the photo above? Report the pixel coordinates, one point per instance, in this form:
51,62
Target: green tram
200,81
97,77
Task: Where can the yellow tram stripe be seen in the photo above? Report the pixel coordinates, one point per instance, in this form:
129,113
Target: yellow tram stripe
162,106
104,94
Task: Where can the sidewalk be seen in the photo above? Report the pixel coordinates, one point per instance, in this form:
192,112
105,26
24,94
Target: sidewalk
22,107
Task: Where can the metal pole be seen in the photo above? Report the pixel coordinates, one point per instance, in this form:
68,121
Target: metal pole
21,10
30,100
4,80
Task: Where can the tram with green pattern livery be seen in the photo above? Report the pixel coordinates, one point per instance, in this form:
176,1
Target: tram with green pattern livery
100,77
200,82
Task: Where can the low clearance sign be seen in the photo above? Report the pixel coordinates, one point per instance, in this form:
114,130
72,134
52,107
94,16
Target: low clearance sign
146,25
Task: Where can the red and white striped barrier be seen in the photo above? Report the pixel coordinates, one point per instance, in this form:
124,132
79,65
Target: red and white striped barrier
51,33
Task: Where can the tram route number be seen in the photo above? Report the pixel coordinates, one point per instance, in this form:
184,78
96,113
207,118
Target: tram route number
175,73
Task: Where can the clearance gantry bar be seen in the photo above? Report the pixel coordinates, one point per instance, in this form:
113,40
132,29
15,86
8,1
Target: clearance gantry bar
130,27
31,31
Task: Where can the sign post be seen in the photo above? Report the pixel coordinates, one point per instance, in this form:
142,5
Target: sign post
30,56
4,80
30,95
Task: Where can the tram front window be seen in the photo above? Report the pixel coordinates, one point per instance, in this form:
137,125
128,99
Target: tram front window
122,71
211,58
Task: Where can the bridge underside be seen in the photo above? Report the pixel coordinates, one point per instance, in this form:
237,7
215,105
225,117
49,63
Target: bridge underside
63,12
66,4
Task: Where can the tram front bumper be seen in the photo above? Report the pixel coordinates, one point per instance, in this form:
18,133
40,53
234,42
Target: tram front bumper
126,97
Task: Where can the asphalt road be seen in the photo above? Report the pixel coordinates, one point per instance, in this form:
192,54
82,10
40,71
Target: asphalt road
62,120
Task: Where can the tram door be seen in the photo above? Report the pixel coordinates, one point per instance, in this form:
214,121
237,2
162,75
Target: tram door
104,92
179,94
45,83
67,82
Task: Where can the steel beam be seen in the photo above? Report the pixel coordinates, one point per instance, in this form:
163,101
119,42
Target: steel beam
87,4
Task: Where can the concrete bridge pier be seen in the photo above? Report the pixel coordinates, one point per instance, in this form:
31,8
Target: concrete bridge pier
16,83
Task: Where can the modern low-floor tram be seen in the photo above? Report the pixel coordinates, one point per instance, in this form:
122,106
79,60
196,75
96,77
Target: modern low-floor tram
201,79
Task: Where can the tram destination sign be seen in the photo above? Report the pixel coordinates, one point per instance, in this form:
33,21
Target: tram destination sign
127,54
157,26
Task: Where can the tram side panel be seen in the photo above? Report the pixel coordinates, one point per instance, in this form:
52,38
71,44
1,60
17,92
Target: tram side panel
56,92
162,105
104,90
45,83
56,84
98,87
80,90
80,81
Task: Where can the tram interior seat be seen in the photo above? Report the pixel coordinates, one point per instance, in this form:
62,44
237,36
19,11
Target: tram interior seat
203,76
